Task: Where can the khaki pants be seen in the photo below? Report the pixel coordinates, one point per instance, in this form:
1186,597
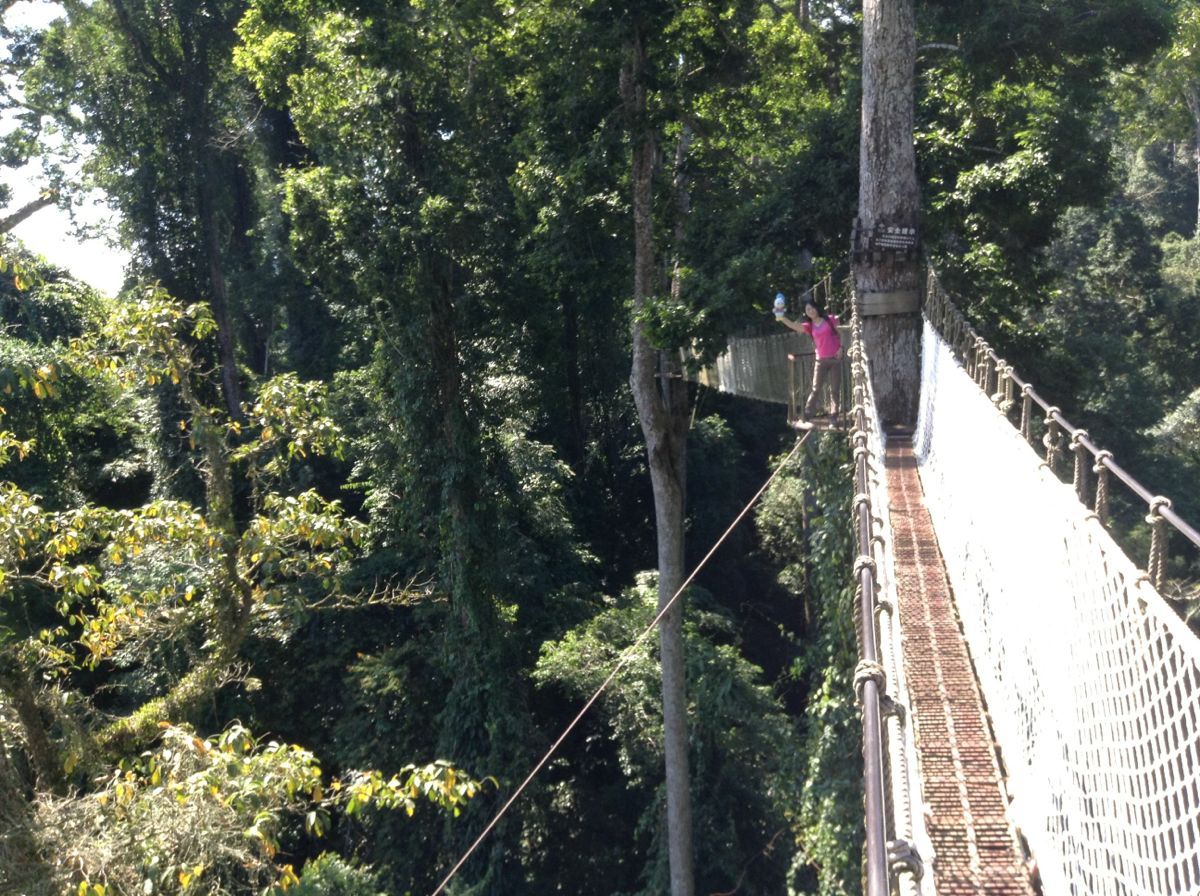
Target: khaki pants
827,372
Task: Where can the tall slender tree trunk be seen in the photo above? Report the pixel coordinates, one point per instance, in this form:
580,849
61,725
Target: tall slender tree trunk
570,343
1192,98
683,204
887,268
481,722
218,289
661,399
192,82
458,491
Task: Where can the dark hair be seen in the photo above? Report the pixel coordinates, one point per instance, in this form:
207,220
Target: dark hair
816,303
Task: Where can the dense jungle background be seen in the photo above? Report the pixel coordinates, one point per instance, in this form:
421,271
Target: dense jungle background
315,537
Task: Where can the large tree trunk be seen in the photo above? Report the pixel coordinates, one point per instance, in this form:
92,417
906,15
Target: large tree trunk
886,259
209,183
458,489
190,77
1192,97
577,438
661,399
44,756
218,291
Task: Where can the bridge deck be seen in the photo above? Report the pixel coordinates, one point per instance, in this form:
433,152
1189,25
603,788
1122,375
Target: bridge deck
976,849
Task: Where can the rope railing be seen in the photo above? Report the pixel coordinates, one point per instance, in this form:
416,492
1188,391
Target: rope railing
997,378
889,762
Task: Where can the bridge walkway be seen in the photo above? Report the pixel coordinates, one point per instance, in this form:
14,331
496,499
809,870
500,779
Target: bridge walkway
976,850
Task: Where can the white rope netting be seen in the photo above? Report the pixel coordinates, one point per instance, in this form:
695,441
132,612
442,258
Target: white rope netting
1090,678
755,366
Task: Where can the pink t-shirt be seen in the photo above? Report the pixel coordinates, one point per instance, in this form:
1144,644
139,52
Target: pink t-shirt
824,337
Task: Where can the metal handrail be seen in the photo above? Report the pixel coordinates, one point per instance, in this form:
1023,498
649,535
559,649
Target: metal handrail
987,367
1104,458
869,675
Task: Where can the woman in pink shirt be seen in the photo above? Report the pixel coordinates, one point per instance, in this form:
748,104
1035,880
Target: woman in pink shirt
822,328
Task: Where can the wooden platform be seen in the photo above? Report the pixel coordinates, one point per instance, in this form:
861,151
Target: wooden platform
976,850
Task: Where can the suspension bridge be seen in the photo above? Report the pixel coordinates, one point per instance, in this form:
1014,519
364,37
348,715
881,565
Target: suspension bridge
1029,698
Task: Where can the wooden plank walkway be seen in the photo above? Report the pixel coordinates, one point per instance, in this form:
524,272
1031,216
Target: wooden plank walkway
976,850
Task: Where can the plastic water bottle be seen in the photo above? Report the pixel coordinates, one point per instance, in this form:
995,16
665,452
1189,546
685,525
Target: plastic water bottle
780,304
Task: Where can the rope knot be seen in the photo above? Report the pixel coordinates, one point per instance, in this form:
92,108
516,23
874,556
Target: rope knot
1157,503
1101,457
1077,438
903,857
869,670
863,562
1157,566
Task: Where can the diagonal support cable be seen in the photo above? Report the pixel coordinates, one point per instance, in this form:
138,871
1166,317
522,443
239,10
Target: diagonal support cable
625,659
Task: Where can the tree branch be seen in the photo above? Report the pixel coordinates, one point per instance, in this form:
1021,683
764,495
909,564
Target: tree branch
25,211
130,734
139,43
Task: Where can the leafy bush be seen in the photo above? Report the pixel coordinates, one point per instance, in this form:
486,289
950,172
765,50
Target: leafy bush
804,520
331,875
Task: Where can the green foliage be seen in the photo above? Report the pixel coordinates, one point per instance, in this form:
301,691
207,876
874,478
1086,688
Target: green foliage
293,421
409,230
56,310
1160,181
1060,164
87,435
98,562
1158,106
804,521
209,815
1180,430
772,171
741,742
1117,331
330,875
91,594
1011,130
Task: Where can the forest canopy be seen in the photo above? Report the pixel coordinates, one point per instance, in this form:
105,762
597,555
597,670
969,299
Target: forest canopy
316,535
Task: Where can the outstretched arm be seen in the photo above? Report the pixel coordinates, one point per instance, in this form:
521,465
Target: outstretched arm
799,328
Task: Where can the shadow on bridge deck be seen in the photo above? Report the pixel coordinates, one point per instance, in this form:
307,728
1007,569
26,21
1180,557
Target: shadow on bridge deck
976,850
